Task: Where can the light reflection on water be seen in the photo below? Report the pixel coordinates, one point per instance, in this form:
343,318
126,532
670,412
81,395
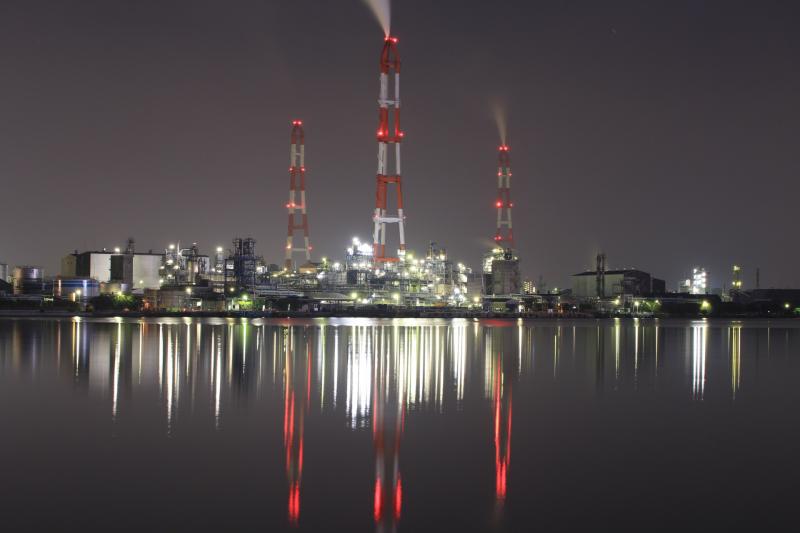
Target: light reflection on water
380,377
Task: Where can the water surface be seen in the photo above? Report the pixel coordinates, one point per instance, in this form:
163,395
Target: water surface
398,425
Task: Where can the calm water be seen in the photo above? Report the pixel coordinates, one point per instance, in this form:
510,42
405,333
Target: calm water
407,425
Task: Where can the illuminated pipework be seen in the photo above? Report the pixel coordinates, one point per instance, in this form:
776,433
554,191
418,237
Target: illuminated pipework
297,187
503,202
388,135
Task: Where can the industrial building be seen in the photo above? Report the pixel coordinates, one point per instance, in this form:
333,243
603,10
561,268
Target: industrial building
501,273
612,283
430,280
75,289
125,271
6,288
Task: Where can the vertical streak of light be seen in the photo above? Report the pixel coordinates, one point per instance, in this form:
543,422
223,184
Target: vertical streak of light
359,378
161,358
244,346
556,335
440,371
459,360
115,387
58,344
176,372
335,365
656,354
77,335
262,339
211,363
141,352
488,374
274,356
321,366
636,327
218,381
211,366
229,356
574,335
169,366
192,370
616,350
188,347
519,346
736,358
699,360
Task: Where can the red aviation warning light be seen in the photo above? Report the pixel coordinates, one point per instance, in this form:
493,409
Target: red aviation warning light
297,187
388,134
504,232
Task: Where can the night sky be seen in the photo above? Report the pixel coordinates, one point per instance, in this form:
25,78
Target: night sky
664,133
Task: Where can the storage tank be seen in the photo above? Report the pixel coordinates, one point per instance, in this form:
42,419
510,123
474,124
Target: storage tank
28,280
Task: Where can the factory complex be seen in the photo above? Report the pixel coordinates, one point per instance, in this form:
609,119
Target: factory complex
368,277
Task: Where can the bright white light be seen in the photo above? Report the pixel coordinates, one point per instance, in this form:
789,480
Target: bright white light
699,281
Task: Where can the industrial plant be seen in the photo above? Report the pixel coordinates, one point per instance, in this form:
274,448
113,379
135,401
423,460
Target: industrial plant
366,278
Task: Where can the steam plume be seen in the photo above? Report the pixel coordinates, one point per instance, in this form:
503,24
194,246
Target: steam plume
499,113
382,9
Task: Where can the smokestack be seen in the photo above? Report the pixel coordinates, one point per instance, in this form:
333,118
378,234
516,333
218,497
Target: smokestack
601,275
504,235
388,135
297,187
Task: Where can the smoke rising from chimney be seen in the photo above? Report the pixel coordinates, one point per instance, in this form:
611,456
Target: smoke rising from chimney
382,9
498,110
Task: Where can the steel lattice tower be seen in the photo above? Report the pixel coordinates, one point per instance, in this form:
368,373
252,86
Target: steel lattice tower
388,135
503,203
297,187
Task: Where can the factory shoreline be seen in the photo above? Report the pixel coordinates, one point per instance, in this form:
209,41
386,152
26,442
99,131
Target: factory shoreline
371,314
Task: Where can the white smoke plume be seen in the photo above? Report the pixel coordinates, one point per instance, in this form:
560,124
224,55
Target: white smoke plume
498,110
382,9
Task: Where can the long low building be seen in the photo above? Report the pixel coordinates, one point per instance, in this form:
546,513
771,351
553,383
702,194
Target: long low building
616,283
138,270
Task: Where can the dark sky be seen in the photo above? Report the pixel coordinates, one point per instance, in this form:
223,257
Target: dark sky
664,133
